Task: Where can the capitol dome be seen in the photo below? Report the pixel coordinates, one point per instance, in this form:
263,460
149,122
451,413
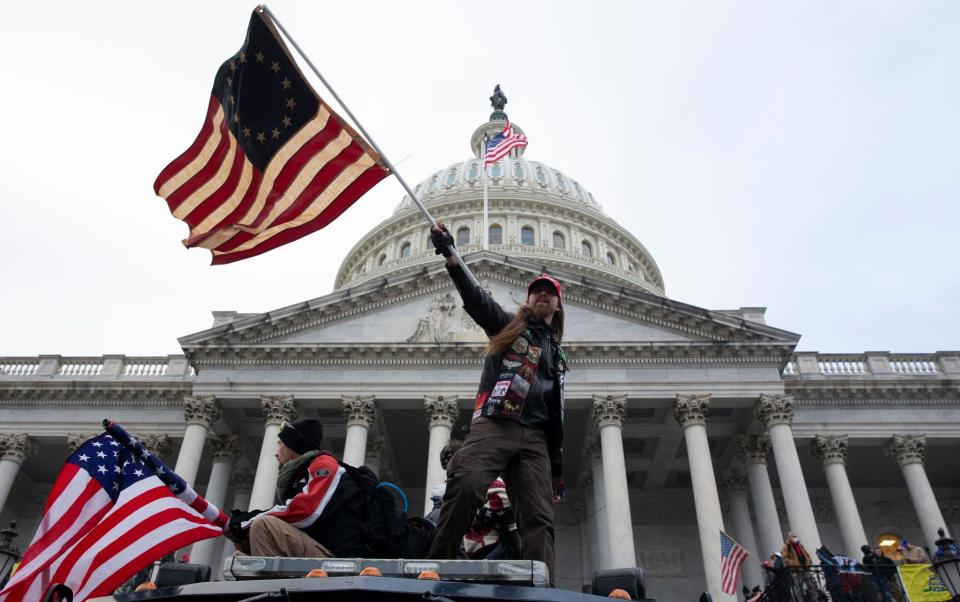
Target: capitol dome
536,212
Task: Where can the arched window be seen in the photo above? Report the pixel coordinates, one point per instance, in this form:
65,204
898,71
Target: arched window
383,257
518,172
496,170
526,236
474,172
451,178
463,236
541,176
405,250
586,249
558,241
495,235
611,259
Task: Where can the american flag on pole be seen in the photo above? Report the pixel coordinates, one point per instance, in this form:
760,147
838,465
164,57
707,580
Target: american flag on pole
500,145
114,509
272,162
732,555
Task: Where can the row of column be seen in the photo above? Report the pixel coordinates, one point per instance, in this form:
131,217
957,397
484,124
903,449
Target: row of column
611,512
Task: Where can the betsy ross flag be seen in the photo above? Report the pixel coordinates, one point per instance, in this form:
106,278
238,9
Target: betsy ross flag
114,509
272,162
732,557
500,145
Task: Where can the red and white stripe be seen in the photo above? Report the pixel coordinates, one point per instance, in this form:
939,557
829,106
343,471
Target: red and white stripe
237,212
511,141
730,569
93,545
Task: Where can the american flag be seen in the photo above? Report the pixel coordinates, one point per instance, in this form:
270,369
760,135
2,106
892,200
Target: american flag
272,162
114,509
732,555
500,145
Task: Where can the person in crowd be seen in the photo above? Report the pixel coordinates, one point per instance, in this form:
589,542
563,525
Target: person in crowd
517,425
911,554
318,514
436,494
883,569
794,554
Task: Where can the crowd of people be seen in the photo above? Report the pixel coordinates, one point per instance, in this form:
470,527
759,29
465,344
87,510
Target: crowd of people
793,575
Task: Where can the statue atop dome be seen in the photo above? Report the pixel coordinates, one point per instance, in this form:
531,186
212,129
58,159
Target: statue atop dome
498,101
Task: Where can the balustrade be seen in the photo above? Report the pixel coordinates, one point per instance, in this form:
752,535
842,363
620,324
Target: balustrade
867,364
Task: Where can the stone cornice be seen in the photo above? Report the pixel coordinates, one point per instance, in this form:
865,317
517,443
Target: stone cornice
880,392
645,307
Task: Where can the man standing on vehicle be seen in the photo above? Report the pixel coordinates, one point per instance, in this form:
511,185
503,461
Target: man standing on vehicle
517,426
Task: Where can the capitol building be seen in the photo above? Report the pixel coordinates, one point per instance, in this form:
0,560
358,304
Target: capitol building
680,420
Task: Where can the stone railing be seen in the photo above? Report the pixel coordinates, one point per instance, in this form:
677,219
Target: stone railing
117,367
873,364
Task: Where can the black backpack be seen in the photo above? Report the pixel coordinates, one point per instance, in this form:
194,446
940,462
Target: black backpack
389,533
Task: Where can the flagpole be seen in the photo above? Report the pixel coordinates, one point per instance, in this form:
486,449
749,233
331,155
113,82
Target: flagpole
486,225
363,131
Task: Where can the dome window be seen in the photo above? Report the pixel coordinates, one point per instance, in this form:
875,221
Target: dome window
526,236
562,183
496,170
586,249
518,171
383,257
463,236
611,259
558,241
405,250
495,235
576,189
451,178
541,176
474,172
433,185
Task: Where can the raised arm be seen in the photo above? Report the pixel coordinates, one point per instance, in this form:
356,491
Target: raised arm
484,310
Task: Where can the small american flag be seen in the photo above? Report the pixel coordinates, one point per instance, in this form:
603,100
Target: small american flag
272,162
500,145
732,555
114,509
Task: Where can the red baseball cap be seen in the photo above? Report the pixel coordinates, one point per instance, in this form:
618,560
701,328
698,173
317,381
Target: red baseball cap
549,279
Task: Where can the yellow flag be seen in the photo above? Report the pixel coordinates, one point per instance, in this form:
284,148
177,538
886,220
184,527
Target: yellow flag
922,584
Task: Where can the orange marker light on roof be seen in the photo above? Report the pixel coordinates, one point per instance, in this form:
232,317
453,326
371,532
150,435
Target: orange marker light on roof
619,594
146,586
317,573
371,571
432,575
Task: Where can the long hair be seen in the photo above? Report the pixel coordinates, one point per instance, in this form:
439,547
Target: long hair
500,341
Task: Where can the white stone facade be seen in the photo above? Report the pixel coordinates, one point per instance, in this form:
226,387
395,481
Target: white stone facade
661,397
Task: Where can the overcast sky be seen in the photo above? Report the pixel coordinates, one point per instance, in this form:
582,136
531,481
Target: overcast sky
801,156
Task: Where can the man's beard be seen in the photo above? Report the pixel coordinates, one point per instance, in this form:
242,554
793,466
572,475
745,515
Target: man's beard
542,311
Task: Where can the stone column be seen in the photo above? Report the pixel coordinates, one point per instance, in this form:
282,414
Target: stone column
243,481
609,414
441,415
14,451
754,451
376,448
733,486
908,451
691,411
225,452
776,413
832,452
276,411
200,413
595,454
360,414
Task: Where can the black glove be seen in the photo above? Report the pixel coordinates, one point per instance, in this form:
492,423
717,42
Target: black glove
237,518
442,241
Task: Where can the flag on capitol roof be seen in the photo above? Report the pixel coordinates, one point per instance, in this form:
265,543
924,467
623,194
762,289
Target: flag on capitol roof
114,509
500,145
272,163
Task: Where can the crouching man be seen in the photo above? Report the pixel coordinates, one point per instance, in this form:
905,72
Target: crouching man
318,511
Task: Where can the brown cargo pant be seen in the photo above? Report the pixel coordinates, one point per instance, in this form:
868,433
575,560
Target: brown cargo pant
500,447
272,536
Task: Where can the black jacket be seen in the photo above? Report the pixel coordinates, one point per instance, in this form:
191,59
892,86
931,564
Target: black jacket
525,382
